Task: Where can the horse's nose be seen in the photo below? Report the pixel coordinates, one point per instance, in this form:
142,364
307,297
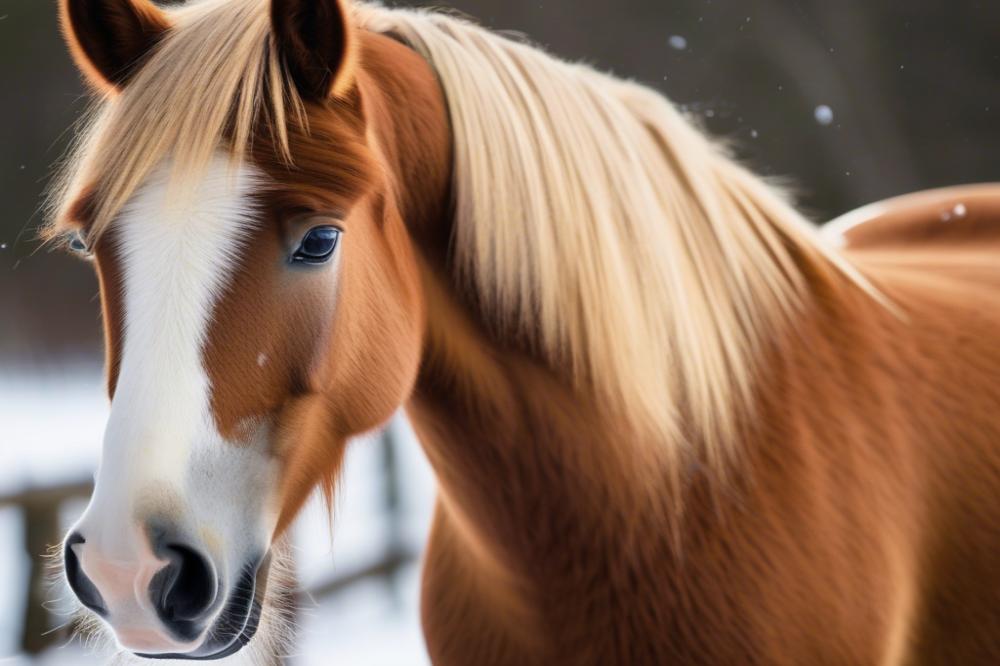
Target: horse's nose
153,571
184,590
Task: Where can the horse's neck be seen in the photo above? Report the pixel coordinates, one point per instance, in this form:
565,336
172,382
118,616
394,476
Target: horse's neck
530,467
489,417
510,437
506,430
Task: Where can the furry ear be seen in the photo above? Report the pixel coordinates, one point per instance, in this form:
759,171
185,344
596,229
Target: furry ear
110,39
317,42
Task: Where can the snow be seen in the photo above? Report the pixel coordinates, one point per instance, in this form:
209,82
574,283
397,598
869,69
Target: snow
50,426
823,114
50,430
678,42
12,559
956,212
367,624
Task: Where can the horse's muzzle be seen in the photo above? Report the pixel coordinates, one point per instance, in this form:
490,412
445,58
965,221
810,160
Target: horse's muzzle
165,598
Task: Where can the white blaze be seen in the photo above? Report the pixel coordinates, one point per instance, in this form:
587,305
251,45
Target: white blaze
163,455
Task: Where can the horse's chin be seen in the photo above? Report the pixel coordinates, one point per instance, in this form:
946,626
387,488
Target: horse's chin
250,625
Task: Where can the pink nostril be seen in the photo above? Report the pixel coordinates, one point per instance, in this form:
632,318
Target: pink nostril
82,587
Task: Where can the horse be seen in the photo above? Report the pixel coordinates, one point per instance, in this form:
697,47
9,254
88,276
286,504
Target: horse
670,420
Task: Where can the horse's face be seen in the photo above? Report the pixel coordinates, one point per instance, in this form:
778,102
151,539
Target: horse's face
252,327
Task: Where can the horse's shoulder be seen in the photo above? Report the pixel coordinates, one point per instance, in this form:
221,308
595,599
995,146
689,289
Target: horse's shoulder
948,216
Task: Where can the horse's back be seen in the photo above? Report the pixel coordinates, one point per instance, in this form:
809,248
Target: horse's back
936,256
951,216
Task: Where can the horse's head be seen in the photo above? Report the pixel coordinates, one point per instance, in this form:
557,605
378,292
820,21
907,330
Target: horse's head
260,299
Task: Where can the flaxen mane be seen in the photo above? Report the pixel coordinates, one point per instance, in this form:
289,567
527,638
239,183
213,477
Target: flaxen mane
594,222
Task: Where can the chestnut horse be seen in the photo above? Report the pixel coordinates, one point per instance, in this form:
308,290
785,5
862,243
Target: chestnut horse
670,421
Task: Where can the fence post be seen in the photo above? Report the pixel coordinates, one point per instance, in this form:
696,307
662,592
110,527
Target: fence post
41,528
392,502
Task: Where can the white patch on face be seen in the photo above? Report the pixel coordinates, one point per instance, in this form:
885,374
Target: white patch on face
163,456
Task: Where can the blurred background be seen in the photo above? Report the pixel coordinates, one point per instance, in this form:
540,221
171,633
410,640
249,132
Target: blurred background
849,101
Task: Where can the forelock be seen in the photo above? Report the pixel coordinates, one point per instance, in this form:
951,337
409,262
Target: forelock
212,83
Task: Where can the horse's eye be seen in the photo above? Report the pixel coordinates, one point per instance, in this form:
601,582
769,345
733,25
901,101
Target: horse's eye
77,244
317,246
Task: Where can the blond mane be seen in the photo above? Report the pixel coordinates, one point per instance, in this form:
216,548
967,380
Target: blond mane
594,221
601,226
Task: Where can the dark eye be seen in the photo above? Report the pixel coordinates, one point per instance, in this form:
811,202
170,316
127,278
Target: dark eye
317,246
77,244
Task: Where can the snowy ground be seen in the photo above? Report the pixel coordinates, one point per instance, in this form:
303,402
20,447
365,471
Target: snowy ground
50,428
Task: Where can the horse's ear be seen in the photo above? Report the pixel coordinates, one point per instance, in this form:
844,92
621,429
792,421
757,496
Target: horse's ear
317,43
110,39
